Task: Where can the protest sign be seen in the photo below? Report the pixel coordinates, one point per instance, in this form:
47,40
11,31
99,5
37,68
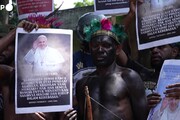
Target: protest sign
157,23
168,108
111,6
43,74
28,7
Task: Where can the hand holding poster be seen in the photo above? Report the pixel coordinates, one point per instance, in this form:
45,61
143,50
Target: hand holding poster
43,63
169,107
157,23
111,6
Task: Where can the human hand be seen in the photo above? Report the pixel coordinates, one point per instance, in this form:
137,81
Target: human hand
133,5
37,116
42,116
153,99
35,45
173,90
28,26
70,114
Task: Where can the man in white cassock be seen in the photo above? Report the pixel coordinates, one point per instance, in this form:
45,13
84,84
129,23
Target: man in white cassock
43,58
169,110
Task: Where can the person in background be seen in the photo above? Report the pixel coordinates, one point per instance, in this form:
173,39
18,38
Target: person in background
150,76
158,56
7,48
7,82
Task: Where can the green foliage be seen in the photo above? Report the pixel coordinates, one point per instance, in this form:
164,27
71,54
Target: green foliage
84,3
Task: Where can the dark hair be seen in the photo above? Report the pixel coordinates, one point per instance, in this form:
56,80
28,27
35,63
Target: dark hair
175,45
178,46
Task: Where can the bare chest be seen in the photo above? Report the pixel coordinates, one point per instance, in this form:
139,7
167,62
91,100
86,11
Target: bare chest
109,96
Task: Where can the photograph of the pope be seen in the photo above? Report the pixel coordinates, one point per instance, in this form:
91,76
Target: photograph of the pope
43,63
42,57
43,54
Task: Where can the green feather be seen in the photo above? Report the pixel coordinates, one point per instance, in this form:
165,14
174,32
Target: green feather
96,25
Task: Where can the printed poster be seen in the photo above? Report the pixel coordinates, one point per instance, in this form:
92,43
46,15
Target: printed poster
27,7
111,6
168,108
43,74
157,23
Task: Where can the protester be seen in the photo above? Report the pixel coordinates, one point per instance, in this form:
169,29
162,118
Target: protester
150,76
7,84
158,55
117,92
82,59
7,46
7,74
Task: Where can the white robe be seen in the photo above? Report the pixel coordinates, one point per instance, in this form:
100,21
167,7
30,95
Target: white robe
167,114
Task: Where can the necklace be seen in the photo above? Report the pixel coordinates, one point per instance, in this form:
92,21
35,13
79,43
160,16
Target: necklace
42,54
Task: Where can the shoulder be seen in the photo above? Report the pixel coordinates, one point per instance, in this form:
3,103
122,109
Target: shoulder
126,71
79,74
51,49
80,86
85,79
133,81
129,75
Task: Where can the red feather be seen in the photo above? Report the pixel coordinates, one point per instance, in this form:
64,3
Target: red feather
106,24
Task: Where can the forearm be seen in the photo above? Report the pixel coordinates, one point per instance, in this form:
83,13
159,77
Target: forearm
141,104
5,74
128,19
7,40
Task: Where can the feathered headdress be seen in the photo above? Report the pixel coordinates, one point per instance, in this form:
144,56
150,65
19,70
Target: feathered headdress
46,21
104,27
43,22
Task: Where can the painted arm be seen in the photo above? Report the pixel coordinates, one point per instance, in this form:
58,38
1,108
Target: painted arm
137,95
80,99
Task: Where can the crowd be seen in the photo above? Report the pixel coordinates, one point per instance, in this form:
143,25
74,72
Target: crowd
119,87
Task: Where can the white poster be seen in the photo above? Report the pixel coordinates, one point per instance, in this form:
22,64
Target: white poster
28,7
157,23
168,108
43,74
109,7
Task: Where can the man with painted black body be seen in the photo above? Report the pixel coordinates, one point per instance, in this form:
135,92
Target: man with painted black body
116,92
